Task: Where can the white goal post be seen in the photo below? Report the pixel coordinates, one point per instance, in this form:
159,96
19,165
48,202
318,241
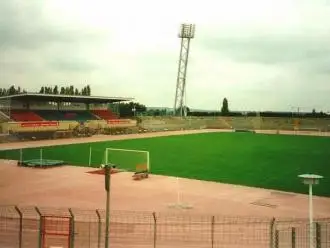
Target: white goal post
131,160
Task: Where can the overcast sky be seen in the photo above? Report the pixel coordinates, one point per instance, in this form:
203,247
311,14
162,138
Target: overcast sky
260,54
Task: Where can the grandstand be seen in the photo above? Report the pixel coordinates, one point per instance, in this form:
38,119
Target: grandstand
38,116
33,115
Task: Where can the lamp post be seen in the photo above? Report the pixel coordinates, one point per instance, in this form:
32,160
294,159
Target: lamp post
107,178
310,180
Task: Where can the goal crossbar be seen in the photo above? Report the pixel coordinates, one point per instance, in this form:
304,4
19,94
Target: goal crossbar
128,150
125,150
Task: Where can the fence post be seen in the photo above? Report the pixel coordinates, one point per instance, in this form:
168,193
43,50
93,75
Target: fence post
277,240
40,227
155,229
272,233
20,226
212,231
72,229
99,229
293,237
318,235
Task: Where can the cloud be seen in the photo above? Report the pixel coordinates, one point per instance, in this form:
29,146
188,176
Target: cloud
24,26
269,49
72,64
266,53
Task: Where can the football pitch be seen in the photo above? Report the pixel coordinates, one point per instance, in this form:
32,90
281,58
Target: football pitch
257,160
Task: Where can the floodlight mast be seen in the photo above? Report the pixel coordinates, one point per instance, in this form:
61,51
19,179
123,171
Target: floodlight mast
310,180
186,33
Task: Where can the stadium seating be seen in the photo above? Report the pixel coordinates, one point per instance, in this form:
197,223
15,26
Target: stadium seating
105,114
241,123
68,115
23,115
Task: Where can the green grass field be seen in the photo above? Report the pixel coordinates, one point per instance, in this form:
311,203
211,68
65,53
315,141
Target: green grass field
259,160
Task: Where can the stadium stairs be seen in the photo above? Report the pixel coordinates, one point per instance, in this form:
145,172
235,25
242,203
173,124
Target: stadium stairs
23,115
242,123
310,124
4,117
275,123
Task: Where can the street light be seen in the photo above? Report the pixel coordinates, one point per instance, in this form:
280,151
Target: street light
310,180
107,178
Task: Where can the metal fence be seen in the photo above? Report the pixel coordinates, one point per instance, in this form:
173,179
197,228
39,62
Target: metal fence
49,227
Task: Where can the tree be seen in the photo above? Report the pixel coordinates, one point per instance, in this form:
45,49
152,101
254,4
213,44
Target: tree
76,91
55,90
4,92
48,90
71,92
83,91
126,109
12,90
185,109
225,108
88,90
62,91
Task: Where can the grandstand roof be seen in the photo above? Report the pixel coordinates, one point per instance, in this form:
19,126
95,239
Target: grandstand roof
65,98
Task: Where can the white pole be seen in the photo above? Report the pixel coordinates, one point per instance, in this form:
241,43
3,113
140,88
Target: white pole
90,156
21,156
148,161
311,233
41,157
178,191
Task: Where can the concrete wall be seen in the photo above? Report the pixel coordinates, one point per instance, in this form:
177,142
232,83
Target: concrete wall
253,123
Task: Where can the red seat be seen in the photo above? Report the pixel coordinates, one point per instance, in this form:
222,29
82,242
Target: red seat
22,115
105,114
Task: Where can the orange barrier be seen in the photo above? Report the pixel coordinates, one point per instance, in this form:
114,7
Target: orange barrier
40,126
37,126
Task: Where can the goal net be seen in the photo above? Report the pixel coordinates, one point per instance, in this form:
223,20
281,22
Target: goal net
130,160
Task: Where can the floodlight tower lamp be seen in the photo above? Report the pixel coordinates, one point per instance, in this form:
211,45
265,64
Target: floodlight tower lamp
186,33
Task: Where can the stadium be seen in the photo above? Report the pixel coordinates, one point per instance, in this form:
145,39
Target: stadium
211,181
83,170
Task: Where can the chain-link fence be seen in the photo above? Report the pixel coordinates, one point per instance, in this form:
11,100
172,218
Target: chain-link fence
49,227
